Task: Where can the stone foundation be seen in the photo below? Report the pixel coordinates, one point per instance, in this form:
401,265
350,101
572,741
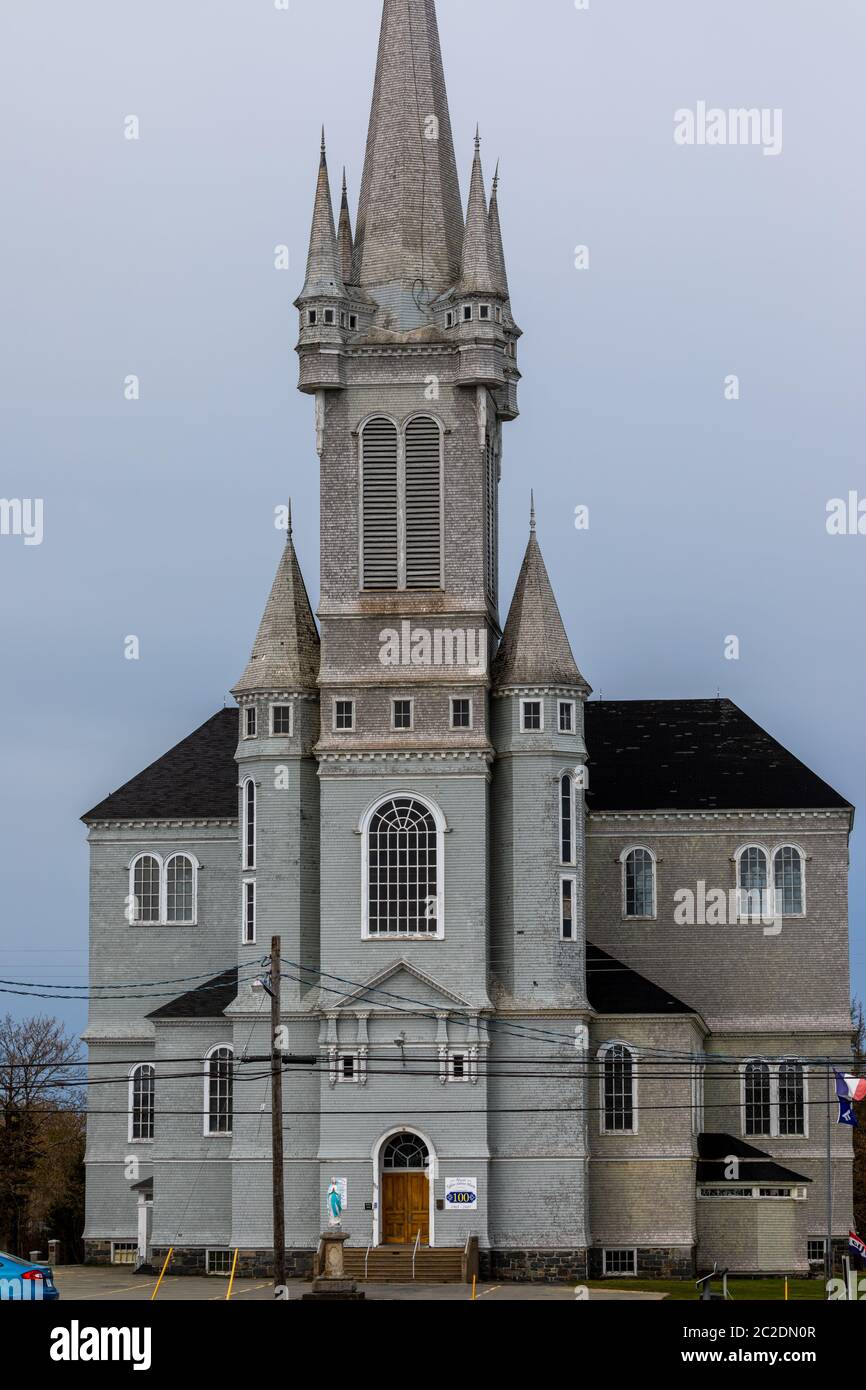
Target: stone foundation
97,1252
252,1264
653,1262
532,1266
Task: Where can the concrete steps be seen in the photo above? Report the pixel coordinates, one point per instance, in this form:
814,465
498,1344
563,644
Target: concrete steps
392,1264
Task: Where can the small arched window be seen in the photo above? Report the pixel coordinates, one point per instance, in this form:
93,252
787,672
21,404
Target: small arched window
179,890
146,892
757,1098
219,1090
788,880
753,881
406,1151
142,1087
249,823
403,870
566,818
618,1111
639,886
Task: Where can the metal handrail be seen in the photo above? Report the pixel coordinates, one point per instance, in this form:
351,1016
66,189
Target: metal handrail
415,1251
367,1261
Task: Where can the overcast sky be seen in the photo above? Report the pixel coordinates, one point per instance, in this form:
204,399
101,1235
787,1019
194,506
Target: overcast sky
156,257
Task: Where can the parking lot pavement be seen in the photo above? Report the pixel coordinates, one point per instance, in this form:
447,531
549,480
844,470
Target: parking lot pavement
112,1284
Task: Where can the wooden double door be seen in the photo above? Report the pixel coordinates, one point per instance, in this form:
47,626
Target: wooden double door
405,1208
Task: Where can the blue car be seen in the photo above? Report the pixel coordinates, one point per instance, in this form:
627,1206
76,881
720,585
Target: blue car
28,1282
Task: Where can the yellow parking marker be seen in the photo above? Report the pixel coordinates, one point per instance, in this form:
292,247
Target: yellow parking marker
232,1279
162,1276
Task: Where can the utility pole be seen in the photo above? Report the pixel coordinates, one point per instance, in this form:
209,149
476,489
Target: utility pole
830,1096
277,1119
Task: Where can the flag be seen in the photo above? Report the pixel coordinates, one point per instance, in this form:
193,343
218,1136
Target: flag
850,1087
846,1113
856,1246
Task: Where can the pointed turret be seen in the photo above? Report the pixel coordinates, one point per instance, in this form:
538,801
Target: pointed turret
286,651
477,276
535,650
410,222
344,236
324,275
497,251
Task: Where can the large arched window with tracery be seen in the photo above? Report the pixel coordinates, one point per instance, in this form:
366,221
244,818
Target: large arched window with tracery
404,1152
403,878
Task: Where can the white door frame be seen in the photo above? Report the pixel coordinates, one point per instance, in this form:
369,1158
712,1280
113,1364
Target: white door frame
432,1170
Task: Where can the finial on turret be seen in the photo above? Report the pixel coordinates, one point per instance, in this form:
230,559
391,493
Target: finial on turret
478,137
345,185
289,528
532,511
496,180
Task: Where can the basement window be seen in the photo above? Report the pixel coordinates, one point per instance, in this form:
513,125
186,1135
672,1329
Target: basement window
219,1262
621,1262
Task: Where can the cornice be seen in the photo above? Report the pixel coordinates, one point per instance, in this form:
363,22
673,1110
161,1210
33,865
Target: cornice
717,815
165,823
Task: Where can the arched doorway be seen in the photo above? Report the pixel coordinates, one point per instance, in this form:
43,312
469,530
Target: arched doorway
405,1190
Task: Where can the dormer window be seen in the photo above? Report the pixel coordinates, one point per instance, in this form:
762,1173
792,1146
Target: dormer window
330,316
312,317
467,313
353,322
484,312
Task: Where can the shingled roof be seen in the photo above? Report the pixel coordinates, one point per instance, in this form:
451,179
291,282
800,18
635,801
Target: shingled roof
535,649
658,755
196,780
714,1155
614,988
287,650
209,1000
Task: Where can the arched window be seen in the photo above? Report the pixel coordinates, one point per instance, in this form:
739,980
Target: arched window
401,504
219,1090
142,1085
249,823
380,505
639,886
618,1111
566,818
757,1098
405,1151
403,870
788,878
753,881
146,889
792,1098
179,890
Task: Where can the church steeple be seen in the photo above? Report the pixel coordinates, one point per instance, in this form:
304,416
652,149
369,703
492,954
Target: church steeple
324,275
500,272
286,651
410,222
477,275
535,650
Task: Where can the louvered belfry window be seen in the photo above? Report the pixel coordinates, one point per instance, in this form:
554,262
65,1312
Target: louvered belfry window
401,505
423,505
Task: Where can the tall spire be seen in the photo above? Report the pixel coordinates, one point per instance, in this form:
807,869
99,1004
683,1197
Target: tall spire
344,236
477,268
497,251
286,651
410,222
535,649
324,276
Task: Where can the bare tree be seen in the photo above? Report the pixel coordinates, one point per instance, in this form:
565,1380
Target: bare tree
40,1080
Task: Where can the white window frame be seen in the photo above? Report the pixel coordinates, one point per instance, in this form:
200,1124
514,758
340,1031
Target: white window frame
249,858
208,1132
775,1127
462,728
569,773
132,1074
403,700
789,844
635,1112
343,1055
335,728
332,321
569,705
572,879
246,884
488,317
698,1081
394,938
218,1273
312,318
449,318
531,700
254,711
163,862
751,916
283,704
467,313
639,917
468,1065
619,1250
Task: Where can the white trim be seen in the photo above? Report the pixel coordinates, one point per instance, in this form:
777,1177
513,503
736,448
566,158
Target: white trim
773,1066
432,1171
403,700
531,700
790,844
441,828
282,704
569,773
208,1132
466,699
162,919
245,884
573,939
601,1056
572,705
246,711
618,1250
335,701
248,860
136,1068
639,916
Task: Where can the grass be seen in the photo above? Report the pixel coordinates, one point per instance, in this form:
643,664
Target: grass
741,1290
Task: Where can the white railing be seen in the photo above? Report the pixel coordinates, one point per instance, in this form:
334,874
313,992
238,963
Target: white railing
367,1261
415,1252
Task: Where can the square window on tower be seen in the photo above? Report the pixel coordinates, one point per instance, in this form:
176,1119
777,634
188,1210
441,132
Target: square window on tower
402,714
281,720
532,720
461,714
484,311
344,716
250,721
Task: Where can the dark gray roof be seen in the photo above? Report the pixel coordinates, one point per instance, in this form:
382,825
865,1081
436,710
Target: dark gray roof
287,650
198,779
614,988
209,1000
649,755
535,649
716,1150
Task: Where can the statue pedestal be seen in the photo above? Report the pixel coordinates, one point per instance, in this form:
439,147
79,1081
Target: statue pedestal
332,1282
